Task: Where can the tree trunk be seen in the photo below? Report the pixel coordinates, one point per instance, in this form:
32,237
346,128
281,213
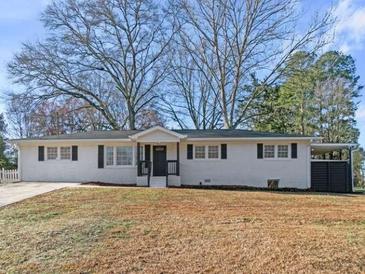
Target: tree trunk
131,116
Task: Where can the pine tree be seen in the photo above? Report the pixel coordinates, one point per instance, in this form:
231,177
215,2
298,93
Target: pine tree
336,95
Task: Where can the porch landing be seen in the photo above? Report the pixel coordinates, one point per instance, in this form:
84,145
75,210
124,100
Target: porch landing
159,181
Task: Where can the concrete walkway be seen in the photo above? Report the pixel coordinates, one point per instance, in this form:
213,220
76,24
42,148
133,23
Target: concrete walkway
15,192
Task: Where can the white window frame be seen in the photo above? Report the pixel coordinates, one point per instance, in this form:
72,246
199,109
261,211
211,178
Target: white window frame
213,158
107,150
116,155
278,152
114,149
141,153
135,154
53,159
205,152
69,152
274,150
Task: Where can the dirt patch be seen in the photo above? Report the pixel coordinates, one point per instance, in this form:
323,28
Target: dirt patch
116,230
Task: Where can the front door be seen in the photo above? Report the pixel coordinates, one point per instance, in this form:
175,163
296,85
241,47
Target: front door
159,160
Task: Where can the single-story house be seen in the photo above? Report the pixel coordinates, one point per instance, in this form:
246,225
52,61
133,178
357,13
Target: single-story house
163,157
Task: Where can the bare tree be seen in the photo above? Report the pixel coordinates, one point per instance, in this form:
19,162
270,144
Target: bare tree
17,113
29,117
108,53
235,44
149,118
191,95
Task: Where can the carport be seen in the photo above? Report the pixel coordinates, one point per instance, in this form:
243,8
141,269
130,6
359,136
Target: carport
331,167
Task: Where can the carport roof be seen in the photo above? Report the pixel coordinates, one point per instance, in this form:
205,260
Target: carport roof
328,147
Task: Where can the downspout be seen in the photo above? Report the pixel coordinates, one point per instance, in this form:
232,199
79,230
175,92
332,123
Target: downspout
309,167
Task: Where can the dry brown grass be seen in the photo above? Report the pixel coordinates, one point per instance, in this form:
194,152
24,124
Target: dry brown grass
177,230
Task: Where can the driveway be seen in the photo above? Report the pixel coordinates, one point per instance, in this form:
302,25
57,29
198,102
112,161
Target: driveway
11,193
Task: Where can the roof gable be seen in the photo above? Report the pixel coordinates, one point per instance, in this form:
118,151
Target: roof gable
157,134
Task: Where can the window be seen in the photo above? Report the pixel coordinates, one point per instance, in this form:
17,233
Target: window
199,152
283,151
269,151
109,156
65,153
141,153
124,156
213,152
51,153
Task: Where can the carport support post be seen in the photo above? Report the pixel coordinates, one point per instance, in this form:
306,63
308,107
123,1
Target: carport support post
351,174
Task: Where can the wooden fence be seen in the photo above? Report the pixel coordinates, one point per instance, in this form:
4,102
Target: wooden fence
9,175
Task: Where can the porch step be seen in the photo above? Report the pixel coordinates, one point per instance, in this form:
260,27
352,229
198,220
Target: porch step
158,181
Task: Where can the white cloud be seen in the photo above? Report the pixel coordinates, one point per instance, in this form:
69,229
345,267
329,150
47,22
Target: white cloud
21,9
360,113
345,48
350,26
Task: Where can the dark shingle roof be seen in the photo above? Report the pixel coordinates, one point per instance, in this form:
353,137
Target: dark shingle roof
231,133
106,134
190,133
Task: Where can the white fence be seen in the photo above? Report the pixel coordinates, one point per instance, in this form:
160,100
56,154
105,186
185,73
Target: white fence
9,176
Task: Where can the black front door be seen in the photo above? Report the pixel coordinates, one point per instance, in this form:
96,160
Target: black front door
159,160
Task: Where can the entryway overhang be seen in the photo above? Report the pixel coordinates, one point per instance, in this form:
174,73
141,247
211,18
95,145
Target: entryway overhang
157,135
160,157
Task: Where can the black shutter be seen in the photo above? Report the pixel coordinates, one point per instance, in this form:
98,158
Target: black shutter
147,152
294,150
74,153
41,153
189,152
260,151
100,156
223,151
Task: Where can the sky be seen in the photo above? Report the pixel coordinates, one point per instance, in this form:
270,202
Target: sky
19,22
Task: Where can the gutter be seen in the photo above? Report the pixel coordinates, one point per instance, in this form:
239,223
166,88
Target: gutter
36,141
30,141
252,138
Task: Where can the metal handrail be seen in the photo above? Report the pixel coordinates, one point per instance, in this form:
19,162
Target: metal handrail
172,168
144,168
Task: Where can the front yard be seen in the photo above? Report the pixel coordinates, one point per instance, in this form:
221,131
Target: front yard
180,230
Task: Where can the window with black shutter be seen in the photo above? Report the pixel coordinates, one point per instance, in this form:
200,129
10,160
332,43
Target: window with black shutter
74,153
100,156
294,150
41,153
223,151
189,152
260,148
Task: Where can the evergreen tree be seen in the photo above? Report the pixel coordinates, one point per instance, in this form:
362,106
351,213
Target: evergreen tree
296,94
317,97
335,98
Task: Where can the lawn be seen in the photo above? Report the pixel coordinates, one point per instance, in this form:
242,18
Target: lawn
183,230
